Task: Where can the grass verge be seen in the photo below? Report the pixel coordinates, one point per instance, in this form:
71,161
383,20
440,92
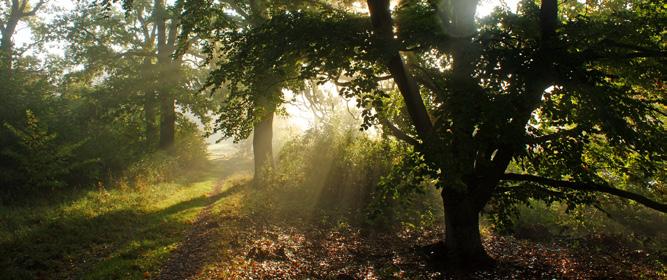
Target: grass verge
103,234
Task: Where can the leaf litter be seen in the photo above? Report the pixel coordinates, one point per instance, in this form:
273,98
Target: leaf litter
259,245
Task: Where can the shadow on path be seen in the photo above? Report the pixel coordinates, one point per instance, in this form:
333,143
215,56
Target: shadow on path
194,252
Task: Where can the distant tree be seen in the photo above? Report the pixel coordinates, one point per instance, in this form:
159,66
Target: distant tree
144,55
10,16
249,106
514,106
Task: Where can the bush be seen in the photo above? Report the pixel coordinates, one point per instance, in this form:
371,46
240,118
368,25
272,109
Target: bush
188,153
341,173
37,159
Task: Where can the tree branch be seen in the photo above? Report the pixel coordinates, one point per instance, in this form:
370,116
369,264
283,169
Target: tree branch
144,26
393,130
422,76
554,136
383,27
589,187
541,75
349,82
34,10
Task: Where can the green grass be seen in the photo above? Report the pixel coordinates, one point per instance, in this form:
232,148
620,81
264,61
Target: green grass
114,234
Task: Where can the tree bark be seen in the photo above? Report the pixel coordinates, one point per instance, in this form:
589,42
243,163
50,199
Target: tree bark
166,69
262,144
167,120
150,102
17,11
6,44
383,26
149,120
463,244
6,50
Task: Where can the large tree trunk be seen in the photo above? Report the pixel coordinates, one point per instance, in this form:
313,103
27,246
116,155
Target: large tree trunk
262,144
7,32
167,120
150,116
167,74
463,243
6,52
150,104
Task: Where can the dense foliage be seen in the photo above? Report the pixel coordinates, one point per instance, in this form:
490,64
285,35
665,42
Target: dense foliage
92,116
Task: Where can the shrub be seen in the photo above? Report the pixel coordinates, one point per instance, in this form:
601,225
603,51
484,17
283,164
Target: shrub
342,173
37,158
188,153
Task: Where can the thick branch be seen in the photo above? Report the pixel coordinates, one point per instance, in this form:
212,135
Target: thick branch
144,27
548,18
383,27
589,187
174,26
160,22
542,75
393,130
422,76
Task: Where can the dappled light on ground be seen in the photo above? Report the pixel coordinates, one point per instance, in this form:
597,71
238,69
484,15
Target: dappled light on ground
115,233
251,244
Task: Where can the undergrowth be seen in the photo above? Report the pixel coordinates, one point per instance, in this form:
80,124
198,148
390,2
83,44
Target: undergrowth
338,176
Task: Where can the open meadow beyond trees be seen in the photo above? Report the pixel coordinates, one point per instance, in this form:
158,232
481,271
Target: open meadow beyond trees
333,139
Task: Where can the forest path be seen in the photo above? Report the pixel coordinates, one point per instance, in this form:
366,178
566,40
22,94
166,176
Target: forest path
196,249
241,234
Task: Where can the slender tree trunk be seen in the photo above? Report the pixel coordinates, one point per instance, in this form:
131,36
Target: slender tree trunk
463,244
262,144
167,119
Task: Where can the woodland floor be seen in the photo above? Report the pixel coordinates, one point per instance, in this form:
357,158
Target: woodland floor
220,227
228,242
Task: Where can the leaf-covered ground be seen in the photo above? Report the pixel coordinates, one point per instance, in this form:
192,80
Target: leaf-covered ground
230,242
